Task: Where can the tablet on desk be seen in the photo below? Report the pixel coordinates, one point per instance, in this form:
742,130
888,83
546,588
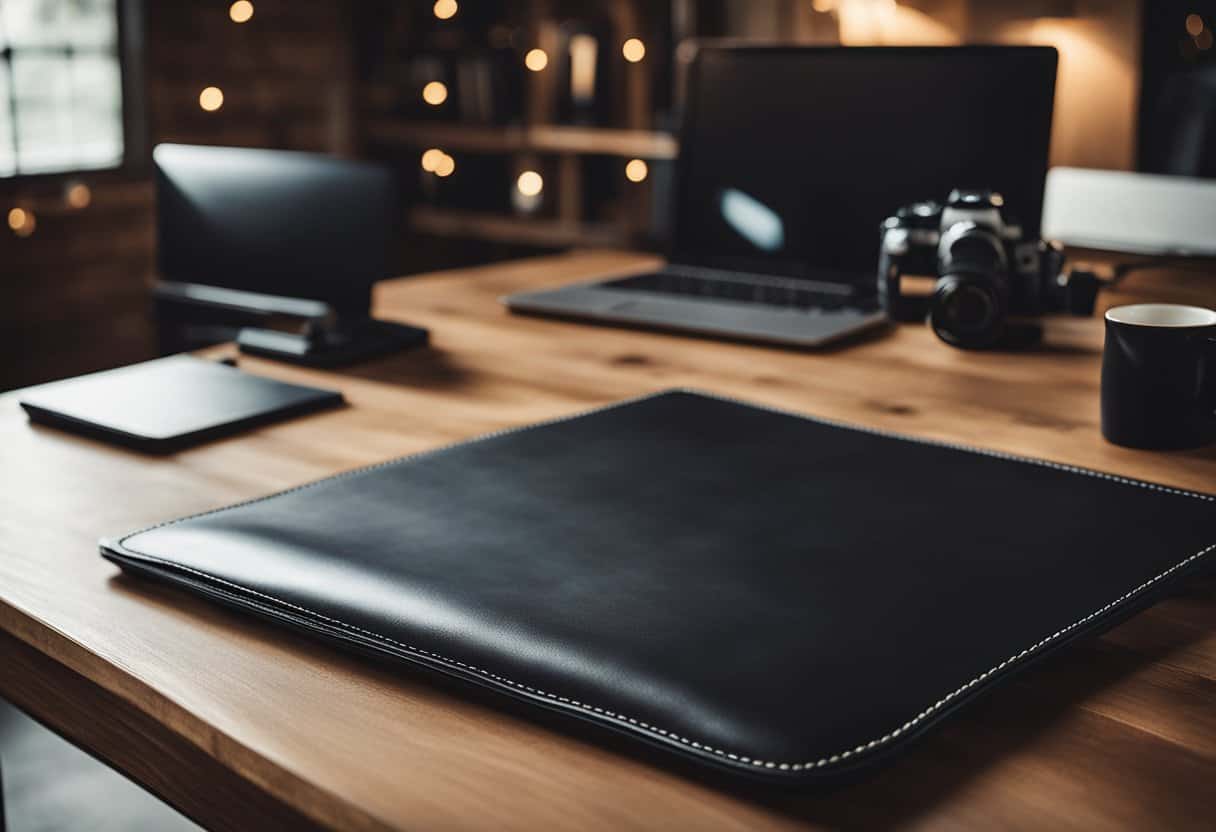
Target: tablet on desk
171,403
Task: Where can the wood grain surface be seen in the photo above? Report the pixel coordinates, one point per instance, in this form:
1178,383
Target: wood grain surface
242,724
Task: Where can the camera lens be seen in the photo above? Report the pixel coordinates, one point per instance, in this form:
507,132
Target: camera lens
966,311
968,308
966,246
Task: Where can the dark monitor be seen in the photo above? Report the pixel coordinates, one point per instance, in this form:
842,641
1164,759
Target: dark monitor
791,157
274,222
265,234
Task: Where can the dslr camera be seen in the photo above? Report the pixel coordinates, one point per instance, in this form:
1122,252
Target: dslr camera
988,275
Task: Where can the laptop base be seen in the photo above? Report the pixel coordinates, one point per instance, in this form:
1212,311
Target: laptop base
712,318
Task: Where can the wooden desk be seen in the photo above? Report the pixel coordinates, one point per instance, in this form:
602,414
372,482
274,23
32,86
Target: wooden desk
243,725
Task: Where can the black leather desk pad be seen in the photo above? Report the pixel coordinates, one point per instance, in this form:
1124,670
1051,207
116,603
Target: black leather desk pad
784,597
170,403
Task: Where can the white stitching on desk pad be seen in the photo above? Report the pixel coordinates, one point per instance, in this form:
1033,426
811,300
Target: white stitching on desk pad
670,735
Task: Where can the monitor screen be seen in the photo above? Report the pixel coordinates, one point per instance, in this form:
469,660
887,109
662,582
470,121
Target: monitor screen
792,157
276,222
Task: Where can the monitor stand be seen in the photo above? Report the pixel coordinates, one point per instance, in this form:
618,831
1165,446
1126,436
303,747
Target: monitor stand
329,339
332,345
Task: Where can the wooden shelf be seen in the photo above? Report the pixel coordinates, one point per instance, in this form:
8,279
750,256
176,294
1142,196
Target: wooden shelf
644,144
519,230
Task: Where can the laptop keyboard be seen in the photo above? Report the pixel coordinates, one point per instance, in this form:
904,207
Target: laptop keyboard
712,284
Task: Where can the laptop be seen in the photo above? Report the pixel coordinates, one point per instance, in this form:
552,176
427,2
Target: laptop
790,159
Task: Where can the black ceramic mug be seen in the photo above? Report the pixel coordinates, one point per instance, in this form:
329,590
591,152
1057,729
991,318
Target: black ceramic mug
1159,376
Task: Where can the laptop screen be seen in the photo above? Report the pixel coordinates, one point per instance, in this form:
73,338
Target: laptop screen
792,157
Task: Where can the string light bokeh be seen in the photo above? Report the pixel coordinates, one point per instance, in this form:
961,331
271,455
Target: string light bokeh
435,93
530,183
22,221
78,196
211,99
241,11
536,59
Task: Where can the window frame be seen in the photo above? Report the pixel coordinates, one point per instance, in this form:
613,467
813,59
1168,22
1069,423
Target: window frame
135,158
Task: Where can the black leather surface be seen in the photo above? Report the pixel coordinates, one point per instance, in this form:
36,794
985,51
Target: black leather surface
757,590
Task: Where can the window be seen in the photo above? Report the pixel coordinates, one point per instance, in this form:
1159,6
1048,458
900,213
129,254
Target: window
60,86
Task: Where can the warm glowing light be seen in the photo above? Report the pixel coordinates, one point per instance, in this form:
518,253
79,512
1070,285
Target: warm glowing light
240,11
1204,39
445,165
430,158
78,196
1194,25
636,170
536,60
211,99
823,6
438,162
445,9
21,222
435,93
583,49
869,22
633,50
530,183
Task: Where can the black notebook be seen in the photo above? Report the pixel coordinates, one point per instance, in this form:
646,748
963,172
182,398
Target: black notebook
774,595
171,403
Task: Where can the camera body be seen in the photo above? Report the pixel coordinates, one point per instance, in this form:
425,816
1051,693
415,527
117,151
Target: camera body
988,273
